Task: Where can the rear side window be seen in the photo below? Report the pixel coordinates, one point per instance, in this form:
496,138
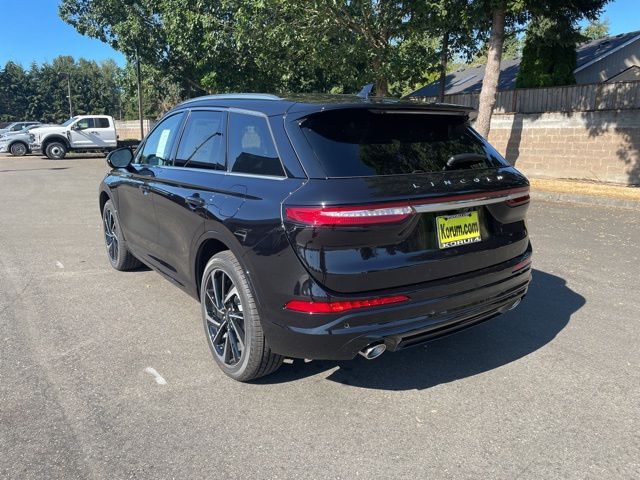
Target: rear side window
202,143
101,122
251,148
361,142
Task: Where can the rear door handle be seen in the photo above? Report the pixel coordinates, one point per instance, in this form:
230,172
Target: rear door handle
195,201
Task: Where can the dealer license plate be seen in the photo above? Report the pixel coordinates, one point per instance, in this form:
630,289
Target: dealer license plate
460,229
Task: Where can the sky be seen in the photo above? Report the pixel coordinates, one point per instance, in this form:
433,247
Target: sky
32,31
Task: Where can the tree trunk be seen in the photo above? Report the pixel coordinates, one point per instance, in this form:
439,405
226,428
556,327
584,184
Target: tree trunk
444,56
491,74
382,87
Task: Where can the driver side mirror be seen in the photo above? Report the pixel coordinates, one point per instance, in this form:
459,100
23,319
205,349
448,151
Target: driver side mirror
76,126
120,158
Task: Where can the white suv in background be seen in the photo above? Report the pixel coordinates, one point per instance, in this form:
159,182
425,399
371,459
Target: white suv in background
80,133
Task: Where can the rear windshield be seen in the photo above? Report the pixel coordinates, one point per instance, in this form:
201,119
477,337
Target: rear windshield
361,142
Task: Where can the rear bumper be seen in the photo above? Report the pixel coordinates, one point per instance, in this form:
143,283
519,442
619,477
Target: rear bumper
433,312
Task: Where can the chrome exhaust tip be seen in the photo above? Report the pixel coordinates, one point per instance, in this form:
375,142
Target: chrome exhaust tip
373,351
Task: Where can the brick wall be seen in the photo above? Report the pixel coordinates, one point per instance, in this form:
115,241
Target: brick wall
602,145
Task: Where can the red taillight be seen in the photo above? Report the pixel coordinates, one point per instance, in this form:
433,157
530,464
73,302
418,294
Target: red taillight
520,200
336,307
358,215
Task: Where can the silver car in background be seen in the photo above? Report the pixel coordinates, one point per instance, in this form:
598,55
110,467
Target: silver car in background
17,126
17,142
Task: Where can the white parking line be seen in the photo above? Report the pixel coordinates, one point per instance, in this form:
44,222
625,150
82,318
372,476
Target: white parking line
158,378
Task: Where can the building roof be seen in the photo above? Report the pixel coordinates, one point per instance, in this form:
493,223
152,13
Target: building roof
468,80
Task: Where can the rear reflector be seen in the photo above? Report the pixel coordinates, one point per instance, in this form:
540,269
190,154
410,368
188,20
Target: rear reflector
521,200
360,215
336,307
522,265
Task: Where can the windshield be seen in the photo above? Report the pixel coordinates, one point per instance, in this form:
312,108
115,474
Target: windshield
69,122
359,142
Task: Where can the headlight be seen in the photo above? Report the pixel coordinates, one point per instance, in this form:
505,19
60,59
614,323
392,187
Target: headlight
32,137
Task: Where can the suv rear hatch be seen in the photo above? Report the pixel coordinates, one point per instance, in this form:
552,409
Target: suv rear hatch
400,197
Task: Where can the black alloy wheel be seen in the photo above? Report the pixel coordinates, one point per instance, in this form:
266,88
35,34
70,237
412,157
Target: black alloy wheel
231,321
225,318
118,253
110,235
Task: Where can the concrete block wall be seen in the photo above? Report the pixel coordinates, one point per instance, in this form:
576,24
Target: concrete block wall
600,145
130,129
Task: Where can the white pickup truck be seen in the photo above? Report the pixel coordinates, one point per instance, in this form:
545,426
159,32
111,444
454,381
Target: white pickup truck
81,133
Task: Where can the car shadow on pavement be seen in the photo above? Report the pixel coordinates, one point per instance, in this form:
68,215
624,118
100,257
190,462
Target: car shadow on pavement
540,317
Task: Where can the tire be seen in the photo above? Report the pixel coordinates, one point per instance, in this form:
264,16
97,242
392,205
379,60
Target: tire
118,254
229,321
19,149
55,150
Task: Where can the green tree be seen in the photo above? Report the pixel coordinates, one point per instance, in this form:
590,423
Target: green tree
40,93
596,29
501,14
273,45
549,55
454,23
14,92
159,93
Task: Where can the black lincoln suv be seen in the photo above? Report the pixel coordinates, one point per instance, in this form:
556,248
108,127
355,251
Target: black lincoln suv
321,227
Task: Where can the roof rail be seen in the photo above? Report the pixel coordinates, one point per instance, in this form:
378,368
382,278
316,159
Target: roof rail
236,96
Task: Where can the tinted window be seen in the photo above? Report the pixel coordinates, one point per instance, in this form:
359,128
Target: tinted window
101,122
202,143
85,123
251,148
359,142
157,146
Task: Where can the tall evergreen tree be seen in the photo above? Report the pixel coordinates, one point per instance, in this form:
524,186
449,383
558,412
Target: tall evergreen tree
41,93
14,92
549,54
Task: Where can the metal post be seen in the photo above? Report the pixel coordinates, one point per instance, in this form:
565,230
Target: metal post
139,95
444,55
69,95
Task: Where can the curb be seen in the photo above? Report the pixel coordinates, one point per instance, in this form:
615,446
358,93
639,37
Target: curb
585,200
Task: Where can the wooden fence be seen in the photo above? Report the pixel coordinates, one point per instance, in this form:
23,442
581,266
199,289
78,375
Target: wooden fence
584,98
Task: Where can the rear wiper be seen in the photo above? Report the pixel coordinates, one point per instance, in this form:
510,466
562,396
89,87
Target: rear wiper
464,159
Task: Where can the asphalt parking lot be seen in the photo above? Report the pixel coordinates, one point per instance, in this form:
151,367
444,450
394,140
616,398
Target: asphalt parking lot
550,390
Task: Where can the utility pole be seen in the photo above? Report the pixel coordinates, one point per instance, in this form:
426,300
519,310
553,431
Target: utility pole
444,56
69,95
139,94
